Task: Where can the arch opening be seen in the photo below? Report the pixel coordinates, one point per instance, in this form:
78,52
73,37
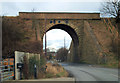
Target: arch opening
69,30
75,39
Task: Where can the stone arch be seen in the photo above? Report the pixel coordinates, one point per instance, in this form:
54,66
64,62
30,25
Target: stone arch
71,31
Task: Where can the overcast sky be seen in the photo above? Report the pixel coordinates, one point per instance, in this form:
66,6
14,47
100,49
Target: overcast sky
13,8
55,38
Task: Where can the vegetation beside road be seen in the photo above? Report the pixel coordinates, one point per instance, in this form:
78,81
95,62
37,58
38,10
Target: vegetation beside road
29,67
62,54
44,70
55,70
16,37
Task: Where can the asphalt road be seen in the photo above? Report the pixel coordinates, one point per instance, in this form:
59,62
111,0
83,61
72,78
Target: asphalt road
84,72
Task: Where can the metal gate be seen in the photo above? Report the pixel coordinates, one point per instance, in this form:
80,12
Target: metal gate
7,69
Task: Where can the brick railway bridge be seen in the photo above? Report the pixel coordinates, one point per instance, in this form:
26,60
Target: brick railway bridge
87,31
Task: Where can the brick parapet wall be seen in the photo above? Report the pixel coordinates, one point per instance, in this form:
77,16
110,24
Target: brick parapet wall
42,15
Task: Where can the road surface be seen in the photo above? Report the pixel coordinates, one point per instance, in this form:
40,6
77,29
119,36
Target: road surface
91,73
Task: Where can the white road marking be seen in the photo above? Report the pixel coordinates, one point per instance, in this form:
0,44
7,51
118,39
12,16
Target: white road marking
115,75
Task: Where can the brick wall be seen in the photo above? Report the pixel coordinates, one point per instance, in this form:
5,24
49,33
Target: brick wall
38,15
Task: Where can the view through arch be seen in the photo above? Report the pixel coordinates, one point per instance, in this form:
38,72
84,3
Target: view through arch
72,34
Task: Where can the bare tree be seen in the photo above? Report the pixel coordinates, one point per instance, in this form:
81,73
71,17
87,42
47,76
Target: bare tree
62,54
111,8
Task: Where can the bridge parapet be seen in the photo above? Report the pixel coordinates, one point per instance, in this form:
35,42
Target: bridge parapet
58,15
